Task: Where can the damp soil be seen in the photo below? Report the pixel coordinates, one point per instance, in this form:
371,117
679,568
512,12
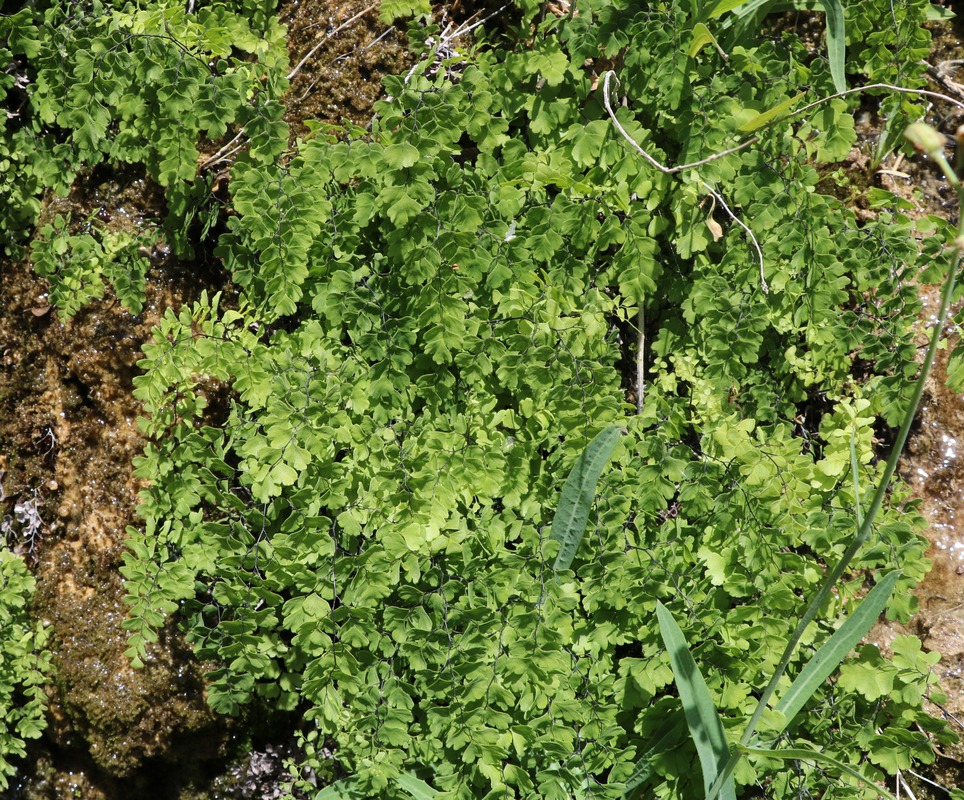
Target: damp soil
339,53
68,435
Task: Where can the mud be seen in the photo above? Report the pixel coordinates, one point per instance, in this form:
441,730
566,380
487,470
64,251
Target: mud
932,465
68,433
339,54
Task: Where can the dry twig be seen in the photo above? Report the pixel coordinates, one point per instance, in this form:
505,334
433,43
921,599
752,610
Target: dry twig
673,170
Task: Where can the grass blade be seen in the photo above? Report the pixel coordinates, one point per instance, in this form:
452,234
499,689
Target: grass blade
701,38
672,733
416,787
855,471
569,523
836,42
803,754
829,656
345,789
339,790
769,115
704,722
723,6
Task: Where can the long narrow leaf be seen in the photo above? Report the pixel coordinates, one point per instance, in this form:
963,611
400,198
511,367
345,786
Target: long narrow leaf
769,115
701,38
704,722
837,647
569,523
729,5
855,472
802,754
836,42
672,733
339,790
416,787
345,789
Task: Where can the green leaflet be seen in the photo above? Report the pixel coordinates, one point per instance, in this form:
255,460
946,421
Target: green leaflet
25,663
747,10
722,6
344,789
703,720
955,368
391,10
645,764
701,38
572,513
359,463
416,787
339,790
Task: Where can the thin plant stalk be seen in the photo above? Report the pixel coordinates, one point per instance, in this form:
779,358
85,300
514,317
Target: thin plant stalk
924,140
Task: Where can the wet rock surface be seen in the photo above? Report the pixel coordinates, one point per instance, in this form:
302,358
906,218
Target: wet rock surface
339,53
932,465
69,434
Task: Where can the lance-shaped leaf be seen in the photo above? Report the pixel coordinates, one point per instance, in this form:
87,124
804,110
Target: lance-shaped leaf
836,42
569,523
702,37
837,647
745,12
672,731
765,117
723,6
805,754
416,787
704,722
339,790
345,789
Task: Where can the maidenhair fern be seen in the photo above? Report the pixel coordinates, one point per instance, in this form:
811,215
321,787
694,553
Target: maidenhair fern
438,317
352,469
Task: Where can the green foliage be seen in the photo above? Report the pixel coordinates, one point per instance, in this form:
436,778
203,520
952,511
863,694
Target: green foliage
955,369
78,263
30,161
124,82
437,316
142,84
837,647
745,15
704,723
345,789
24,665
391,10
351,471
130,83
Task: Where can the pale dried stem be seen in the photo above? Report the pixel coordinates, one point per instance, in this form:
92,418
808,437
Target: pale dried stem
328,35
672,170
444,45
738,221
868,87
647,156
640,359
223,153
